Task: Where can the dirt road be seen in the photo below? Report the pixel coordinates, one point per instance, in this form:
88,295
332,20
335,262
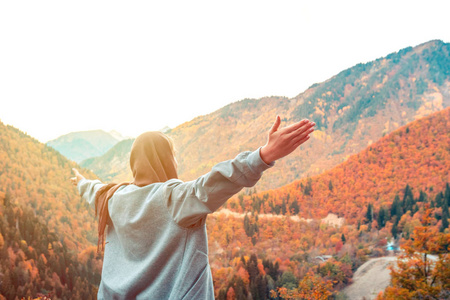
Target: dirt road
370,279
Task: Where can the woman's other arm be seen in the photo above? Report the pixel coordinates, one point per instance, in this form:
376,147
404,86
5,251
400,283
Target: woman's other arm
86,188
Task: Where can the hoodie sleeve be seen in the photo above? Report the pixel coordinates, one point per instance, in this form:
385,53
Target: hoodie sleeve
88,189
190,202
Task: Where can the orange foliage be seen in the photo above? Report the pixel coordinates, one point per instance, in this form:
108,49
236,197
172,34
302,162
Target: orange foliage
423,269
37,176
311,287
416,154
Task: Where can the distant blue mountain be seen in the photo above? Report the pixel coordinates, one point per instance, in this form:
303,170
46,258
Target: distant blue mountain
81,145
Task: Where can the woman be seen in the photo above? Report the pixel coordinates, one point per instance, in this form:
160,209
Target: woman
156,244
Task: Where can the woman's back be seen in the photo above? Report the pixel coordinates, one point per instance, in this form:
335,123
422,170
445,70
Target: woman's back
147,254
156,243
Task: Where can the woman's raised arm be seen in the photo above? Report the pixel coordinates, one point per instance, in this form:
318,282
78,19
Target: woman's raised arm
190,202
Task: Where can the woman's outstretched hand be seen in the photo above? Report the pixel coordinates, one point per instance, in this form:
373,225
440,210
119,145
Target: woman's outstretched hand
77,177
282,142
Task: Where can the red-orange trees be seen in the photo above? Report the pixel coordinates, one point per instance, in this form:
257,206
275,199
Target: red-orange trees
423,270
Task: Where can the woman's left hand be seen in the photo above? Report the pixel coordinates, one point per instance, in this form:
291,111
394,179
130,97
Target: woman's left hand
283,141
77,177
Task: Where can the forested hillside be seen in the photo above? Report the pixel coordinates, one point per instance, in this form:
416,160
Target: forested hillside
37,176
417,155
35,261
47,232
379,195
114,165
352,110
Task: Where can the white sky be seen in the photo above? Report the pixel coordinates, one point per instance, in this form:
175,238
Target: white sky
134,66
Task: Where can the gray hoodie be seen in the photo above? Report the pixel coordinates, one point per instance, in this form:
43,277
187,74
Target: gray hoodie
156,243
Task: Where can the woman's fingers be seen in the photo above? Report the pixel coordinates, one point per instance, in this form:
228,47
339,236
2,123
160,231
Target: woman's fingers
300,135
275,125
301,141
77,177
296,126
308,128
282,142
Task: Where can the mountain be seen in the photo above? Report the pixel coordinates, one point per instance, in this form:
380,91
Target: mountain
416,155
37,176
352,110
330,224
117,135
113,165
81,145
47,232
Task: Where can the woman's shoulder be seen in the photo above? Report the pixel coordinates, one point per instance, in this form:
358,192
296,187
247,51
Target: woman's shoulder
131,188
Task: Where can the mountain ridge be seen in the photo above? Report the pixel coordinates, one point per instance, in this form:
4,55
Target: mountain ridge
109,166
81,145
352,109
47,232
36,175
379,195
375,175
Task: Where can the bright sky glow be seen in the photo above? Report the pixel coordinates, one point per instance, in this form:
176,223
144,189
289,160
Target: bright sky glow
134,66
